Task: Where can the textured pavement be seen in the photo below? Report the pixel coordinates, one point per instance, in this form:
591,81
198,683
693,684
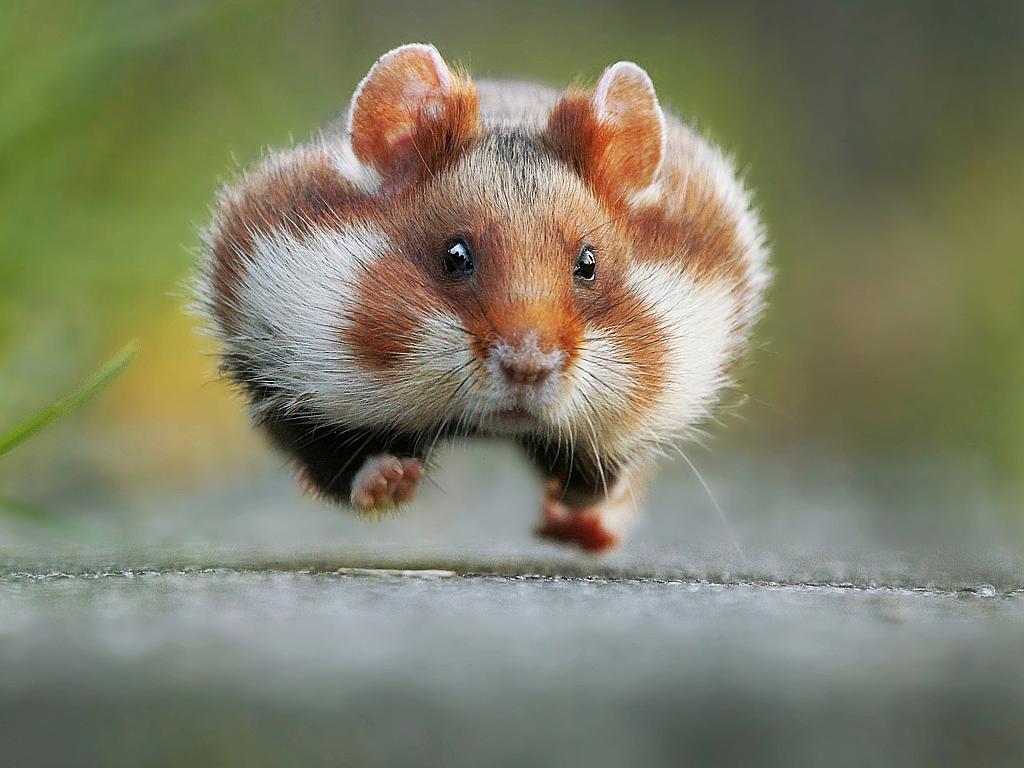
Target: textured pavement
834,619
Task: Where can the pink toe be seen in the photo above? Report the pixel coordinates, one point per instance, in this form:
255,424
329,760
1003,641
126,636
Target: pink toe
412,469
392,471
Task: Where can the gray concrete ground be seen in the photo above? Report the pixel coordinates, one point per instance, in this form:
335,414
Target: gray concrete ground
865,617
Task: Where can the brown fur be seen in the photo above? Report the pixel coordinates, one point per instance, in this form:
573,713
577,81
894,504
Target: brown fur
292,194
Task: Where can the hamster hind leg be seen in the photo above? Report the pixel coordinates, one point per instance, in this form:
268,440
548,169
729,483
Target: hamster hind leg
583,507
597,526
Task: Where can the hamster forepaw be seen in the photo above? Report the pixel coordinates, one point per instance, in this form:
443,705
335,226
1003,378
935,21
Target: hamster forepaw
384,482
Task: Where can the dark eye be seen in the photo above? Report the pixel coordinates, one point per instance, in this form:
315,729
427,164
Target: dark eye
586,264
457,259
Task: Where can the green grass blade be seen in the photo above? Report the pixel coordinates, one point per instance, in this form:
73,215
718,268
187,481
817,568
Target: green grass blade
32,514
110,371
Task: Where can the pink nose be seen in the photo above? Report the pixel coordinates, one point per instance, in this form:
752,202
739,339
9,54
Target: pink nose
523,372
525,364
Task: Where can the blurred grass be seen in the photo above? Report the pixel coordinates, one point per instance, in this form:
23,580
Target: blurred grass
884,142
42,418
39,420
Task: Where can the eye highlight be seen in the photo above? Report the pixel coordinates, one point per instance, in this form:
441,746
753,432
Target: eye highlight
586,265
457,260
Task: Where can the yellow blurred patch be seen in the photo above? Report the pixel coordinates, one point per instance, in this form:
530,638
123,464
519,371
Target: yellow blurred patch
180,414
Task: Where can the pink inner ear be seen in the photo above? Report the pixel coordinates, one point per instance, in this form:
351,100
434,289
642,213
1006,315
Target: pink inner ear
627,109
387,104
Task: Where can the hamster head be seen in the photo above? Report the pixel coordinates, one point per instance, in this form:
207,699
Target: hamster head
562,277
514,269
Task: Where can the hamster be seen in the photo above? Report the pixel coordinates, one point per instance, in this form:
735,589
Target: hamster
576,272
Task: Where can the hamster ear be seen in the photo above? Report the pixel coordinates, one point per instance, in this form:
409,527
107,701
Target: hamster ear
408,110
615,136
626,105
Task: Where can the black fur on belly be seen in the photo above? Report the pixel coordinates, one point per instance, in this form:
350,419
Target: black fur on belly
330,455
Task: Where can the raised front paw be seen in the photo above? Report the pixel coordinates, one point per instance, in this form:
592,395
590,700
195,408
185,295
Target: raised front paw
384,482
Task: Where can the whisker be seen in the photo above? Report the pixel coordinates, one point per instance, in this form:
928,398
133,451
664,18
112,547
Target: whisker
718,509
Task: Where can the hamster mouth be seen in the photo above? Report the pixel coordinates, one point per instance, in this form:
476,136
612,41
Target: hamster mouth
521,408
514,418
515,413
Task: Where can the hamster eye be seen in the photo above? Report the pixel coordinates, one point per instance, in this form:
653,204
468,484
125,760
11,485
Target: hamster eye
457,259
586,264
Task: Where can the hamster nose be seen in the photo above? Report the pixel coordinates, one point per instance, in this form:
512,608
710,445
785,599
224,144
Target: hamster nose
525,371
525,363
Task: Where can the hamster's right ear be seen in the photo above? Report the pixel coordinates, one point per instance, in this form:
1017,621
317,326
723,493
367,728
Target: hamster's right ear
411,114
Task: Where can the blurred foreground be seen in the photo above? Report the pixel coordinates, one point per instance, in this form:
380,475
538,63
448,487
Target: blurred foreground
281,667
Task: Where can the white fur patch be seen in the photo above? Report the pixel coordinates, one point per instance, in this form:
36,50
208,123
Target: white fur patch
603,384
361,176
699,321
598,398
292,298
294,301
442,371
650,195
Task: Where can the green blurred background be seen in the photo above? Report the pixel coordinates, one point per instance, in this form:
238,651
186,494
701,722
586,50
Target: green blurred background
885,142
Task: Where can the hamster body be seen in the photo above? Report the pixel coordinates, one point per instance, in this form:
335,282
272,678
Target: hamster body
577,272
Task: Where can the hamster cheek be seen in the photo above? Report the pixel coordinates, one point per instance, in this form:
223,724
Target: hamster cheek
444,371
603,384
414,350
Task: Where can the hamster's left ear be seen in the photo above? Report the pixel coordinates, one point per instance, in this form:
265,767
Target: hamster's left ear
614,135
410,113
